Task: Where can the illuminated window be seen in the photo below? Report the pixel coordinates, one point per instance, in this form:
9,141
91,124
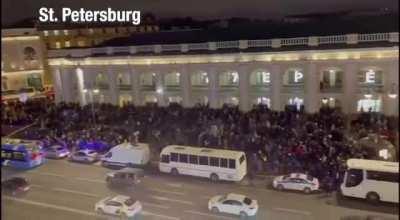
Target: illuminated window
297,102
370,76
67,43
81,43
369,105
293,77
46,33
263,101
172,79
260,77
230,78
200,79
56,32
331,79
65,32
58,45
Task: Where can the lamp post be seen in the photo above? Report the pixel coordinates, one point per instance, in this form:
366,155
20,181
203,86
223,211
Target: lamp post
91,91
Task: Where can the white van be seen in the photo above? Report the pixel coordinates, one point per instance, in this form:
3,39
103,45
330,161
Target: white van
127,155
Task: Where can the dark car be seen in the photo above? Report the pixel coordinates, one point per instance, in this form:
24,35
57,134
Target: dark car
124,177
15,186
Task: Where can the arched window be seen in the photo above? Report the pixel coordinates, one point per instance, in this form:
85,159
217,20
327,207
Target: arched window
100,79
294,77
260,78
148,79
123,79
370,76
331,80
229,78
172,79
199,78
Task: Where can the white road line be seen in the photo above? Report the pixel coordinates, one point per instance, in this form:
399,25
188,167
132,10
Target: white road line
46,205
91,180
160,216
177,185
172,200
292,211
47,174
209,215
155,205
36,186
166,191
75,192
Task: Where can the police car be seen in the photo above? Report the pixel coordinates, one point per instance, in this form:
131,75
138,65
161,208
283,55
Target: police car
296,181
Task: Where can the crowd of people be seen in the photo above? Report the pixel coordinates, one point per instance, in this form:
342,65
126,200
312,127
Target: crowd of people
277,142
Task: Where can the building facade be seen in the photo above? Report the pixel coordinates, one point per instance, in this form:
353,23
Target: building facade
22,59
354,72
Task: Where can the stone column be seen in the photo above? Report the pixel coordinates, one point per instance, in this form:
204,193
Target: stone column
276,85
66,79
391,77
243,88
350,88
135,83
312,97
113,90
185,87
160,89
58,89
214,85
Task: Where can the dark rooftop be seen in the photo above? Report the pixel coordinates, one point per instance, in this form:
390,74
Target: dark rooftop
360,25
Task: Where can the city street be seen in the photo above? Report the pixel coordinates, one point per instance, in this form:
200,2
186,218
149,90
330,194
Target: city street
63,190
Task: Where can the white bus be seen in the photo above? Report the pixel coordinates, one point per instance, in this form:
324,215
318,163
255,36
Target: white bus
372,180
211,163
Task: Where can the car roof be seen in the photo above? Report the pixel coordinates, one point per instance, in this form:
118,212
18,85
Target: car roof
120,198
298,175
234,196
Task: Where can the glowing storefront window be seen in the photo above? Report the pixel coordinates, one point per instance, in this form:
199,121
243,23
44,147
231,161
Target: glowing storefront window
263,101
172,79
298,102
370,77
148,79
369,105
293,77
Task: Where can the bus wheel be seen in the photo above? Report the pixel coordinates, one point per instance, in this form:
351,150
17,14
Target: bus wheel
214,177
373,197
174,172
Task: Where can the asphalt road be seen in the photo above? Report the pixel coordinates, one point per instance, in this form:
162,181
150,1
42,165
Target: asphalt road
64,190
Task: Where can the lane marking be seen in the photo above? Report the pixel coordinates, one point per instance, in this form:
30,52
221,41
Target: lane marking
76,192
292,211
47,174
209,215
160,215
177,185
155,205
165,191
36,186
46,205
172,200
90,180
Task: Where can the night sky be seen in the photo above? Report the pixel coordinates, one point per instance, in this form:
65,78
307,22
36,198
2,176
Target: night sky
14,10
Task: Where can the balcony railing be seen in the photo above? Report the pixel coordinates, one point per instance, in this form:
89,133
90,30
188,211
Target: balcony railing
293,88
172,87
240,44
337,88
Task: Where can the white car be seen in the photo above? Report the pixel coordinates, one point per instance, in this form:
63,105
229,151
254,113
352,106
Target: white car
86,156
296,181
123,206
234,204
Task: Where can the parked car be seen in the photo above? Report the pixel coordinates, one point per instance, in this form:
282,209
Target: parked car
56,152
124,177
86,156
15,186
296,181
233,204
123,206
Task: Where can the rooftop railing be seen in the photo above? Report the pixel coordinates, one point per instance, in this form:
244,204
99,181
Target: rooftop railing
312,41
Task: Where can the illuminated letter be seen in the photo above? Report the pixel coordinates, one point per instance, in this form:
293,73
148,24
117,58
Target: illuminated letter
297,76
370,76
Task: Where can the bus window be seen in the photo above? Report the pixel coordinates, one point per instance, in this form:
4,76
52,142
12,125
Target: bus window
232,164
354,177
174,157
203,160
193,159
214,161
383,176
224,163
165,158
183,158
241,159
19,156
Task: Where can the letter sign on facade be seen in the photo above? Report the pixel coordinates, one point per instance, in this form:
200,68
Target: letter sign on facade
297,76
370,76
